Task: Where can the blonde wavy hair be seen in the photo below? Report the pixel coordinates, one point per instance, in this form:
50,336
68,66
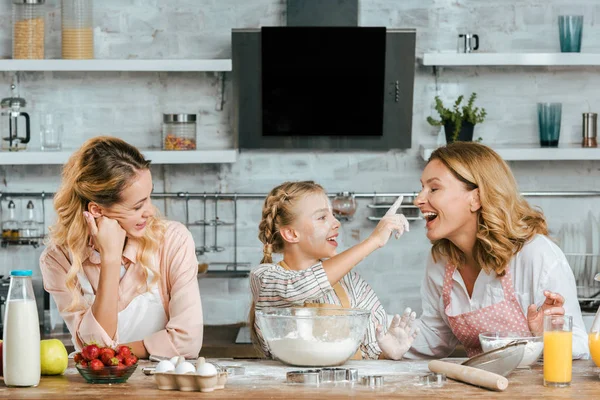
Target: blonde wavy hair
278,211
99,172
505,221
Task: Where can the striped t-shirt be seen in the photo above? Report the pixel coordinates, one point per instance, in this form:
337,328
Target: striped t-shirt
274,286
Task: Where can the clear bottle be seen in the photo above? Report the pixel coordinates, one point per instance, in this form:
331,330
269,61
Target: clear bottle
28,29
29,226
77,29
10,227
179,131
21,338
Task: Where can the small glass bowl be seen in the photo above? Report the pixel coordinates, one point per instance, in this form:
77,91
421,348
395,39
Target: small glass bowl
106,374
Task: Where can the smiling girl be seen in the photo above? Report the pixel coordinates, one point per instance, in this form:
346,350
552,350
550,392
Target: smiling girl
118,273
297,221
492,265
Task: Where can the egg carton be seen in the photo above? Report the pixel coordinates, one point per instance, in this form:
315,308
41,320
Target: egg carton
190,382
184,376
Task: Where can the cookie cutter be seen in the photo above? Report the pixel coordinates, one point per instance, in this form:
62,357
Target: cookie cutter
352,374
334,375
309,376
432,380
372,380
323,375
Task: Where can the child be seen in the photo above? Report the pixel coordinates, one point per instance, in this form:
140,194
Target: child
297,221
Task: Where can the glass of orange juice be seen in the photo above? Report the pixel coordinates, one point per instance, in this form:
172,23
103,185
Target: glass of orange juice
594,339
558,350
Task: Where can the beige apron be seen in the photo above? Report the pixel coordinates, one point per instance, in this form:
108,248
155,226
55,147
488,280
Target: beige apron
340,292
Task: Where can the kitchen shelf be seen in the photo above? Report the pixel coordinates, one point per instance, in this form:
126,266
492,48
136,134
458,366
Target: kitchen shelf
175,65
529,152
512,59
156,156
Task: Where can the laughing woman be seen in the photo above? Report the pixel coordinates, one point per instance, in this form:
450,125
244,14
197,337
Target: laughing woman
491,260
118,273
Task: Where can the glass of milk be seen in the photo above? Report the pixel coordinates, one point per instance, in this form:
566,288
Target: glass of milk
21,339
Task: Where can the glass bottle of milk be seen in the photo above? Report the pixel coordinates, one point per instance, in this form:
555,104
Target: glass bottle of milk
21,339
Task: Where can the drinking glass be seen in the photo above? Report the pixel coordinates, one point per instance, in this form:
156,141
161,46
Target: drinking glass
50,132
549,117
558,350
569,32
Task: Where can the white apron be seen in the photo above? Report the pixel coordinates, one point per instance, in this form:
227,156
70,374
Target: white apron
142,317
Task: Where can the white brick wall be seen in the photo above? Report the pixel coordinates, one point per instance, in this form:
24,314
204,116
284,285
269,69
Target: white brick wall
130,105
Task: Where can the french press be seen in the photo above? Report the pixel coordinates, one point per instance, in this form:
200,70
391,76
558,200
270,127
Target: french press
10,111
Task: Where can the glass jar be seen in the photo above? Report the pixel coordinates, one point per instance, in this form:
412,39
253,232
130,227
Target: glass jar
29,226
28,29
343,206
179,131
10,227
77,29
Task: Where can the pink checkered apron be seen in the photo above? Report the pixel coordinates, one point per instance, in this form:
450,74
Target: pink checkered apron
504,316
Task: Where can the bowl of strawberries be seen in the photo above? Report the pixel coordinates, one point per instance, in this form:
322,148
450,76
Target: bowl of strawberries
105,364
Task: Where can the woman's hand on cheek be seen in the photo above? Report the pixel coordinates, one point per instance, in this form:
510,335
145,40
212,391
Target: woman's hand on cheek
108,236
553,305
398,339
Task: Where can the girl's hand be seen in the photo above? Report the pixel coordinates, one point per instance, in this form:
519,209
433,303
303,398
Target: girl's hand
553,305
398,339
391,222
107,235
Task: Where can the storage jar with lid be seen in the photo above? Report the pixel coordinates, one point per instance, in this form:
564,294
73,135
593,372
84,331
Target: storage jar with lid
179,131
77,29
28,29
343,206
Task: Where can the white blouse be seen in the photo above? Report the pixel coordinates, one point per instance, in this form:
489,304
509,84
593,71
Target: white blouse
539,266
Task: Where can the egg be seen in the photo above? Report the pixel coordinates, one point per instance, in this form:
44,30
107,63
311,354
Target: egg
205,369
164,366
184,368
175,360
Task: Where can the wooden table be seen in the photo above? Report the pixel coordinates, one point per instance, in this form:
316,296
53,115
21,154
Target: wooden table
266,380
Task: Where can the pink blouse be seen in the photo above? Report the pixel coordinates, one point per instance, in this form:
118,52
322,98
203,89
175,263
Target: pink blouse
178,287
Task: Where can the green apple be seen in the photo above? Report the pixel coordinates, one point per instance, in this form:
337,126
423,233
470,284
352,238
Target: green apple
53,357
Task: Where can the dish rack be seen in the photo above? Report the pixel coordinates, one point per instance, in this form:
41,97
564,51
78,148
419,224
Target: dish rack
585,266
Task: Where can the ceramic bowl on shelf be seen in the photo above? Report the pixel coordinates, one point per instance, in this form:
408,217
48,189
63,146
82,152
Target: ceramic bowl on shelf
533,348
313,337
106,374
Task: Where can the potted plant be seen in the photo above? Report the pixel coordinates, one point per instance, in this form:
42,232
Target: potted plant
458,122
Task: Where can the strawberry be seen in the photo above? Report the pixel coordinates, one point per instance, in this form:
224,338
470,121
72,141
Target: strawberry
124,351
83,364
106,350
112,362
96,365
119,357
130,360
90,352
120,369
78,358
106,354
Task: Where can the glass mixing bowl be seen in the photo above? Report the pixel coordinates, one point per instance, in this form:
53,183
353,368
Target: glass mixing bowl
313,337
533,348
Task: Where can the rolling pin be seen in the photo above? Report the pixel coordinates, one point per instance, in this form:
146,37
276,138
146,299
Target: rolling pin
474,376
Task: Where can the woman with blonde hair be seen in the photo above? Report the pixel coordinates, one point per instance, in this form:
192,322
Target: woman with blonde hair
118,273
297,221
492,265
